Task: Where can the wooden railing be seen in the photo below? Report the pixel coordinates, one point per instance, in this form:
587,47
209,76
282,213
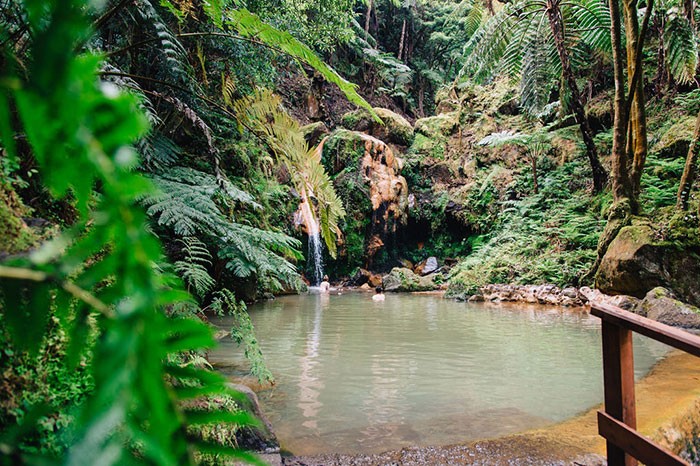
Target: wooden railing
618,423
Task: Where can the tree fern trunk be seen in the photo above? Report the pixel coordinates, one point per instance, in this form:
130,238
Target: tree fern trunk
621,187
403,38
600,176
690,170
638,144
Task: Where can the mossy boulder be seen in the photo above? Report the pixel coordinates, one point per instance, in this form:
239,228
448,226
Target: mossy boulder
402,279
314,132
342,150
661,305
636,262
444,124
395,128
676,140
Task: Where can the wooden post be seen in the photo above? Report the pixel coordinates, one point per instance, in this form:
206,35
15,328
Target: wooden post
618,376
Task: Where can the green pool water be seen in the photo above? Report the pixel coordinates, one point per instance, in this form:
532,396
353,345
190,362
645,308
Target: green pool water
357,376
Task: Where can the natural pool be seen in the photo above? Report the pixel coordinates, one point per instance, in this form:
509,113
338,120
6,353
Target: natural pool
356,376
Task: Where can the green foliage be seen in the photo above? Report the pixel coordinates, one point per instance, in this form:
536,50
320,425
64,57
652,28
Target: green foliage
681,46
242,332
193,267
79,131
263,114
550,237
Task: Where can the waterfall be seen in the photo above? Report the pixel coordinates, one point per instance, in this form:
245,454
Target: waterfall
315,257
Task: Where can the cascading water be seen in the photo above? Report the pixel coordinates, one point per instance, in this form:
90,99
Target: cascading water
315,258
315,252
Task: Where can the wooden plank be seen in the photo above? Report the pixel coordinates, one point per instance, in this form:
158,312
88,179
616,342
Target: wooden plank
618,377
635,444
672,336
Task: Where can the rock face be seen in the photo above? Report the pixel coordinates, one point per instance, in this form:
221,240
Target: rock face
635,263
427,266
396,129
402,279
367,176
260,438
662,306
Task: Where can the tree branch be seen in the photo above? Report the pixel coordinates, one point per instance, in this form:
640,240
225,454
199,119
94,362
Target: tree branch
17,273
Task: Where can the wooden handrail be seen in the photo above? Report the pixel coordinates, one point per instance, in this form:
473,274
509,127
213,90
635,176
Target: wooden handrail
672,336
619,421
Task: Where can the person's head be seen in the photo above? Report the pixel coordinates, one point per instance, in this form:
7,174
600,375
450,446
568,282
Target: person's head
325,278
378,289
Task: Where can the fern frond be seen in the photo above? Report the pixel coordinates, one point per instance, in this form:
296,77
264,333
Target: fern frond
158,152
680,43
193,267
593,23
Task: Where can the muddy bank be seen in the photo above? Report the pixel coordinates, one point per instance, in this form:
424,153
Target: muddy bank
666,396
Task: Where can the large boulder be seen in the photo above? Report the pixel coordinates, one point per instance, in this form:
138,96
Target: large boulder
402,279
636,262
661,305
395,128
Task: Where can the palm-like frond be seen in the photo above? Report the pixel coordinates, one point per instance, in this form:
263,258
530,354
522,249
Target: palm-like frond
262,112
488,44
593,23
249,25
681,47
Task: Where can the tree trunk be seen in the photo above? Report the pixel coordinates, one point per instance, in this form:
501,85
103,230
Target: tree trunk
689,10
637,145
489,7
600,176
403,38
621,187
690,170
368,15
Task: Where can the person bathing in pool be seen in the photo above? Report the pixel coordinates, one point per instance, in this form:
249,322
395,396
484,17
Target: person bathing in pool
379,295
325,286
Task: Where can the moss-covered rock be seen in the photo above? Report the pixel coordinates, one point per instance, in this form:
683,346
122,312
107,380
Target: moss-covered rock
15,235
402,279
395,128
662,306
443,124
636,262
676,140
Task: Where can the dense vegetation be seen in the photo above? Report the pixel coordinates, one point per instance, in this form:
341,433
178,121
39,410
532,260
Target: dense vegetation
153,156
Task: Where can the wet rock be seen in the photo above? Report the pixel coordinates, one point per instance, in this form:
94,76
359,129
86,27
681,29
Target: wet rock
662,306
636,262
375,280
365,286
426,266
539,294
476,298
359,278
406,263
369,182
402,279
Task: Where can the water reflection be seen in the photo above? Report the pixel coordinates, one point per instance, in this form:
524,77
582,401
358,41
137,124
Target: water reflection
354,376
310,385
